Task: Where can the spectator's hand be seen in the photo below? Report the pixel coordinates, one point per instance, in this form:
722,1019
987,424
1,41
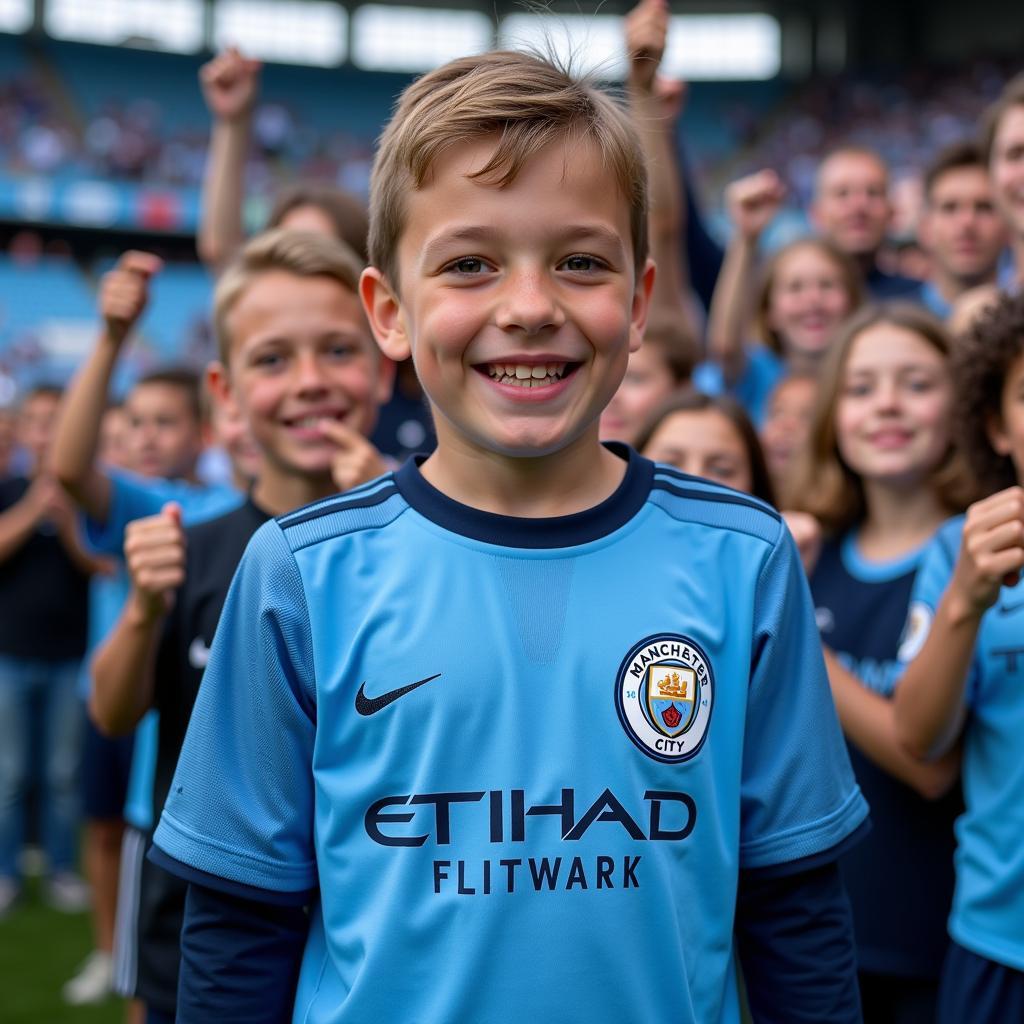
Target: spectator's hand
356,460
991,551
154,550
230,83
753,202
124,292
48,500
671,94
646,32
806,531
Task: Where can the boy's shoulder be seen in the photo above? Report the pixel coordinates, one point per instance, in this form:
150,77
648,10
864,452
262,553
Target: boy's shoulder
697,500
373,504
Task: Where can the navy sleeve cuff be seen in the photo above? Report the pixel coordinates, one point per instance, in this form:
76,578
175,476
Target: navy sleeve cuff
226,885
814,860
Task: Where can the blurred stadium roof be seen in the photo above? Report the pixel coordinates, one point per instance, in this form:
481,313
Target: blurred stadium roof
726,39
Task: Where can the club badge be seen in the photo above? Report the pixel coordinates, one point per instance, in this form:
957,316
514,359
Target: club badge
664,694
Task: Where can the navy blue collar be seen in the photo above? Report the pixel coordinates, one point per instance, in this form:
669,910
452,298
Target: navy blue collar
518,532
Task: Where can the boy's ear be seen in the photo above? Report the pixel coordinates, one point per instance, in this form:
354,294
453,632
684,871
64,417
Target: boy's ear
217,382
997,436
384,312
222,395
641,304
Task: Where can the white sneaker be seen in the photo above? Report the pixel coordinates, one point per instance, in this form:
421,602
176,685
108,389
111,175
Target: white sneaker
66,892
92,983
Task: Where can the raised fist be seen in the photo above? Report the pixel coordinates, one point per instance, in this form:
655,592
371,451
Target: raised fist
124,292
646,32
753,202
230,83
154,550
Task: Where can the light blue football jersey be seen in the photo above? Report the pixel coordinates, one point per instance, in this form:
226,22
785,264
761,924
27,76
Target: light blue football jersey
521,760
988,902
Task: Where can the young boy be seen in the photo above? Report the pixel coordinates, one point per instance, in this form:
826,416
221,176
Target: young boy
294,345
530,723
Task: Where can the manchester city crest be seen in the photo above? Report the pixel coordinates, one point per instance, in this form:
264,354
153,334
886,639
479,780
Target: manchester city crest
664,694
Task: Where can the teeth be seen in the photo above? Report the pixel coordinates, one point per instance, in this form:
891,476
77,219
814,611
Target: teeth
524,375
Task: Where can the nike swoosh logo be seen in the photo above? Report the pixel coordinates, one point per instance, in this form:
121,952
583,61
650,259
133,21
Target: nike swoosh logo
371,705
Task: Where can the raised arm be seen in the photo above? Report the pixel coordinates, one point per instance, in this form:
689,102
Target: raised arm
230,84
73,459
657,104
929,702
752,203
123,667
869,721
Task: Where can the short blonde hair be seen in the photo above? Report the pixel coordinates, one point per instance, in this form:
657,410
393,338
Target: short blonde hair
527,102
301,253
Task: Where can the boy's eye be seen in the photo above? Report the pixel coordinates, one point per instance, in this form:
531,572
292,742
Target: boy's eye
468,265
581,263
342,350
267,360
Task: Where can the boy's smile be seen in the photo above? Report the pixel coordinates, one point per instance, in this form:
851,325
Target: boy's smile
301,357
520,304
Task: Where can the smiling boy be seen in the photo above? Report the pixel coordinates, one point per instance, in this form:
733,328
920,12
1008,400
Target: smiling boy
535,729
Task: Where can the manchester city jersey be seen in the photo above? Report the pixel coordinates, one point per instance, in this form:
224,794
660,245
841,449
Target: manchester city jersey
516,764
988,902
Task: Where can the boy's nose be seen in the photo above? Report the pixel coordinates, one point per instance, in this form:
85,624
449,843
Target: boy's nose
527,303
308,373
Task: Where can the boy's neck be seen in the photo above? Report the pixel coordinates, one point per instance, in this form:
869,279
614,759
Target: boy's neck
571,480
278,493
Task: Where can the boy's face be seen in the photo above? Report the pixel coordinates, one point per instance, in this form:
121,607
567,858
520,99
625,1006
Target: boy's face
302,354
961,228
851,206
35,425
164,437
520,305
1007,167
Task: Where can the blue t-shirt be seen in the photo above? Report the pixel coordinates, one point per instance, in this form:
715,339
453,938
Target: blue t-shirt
135,497
521,760
988,903
762,372
900,878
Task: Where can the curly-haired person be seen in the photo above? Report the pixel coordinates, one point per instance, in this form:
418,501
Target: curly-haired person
963,678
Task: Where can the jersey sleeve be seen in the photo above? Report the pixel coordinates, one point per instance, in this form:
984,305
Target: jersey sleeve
130,498
798,795
240,805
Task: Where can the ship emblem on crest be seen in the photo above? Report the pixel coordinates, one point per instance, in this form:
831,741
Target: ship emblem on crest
664,693
672,692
